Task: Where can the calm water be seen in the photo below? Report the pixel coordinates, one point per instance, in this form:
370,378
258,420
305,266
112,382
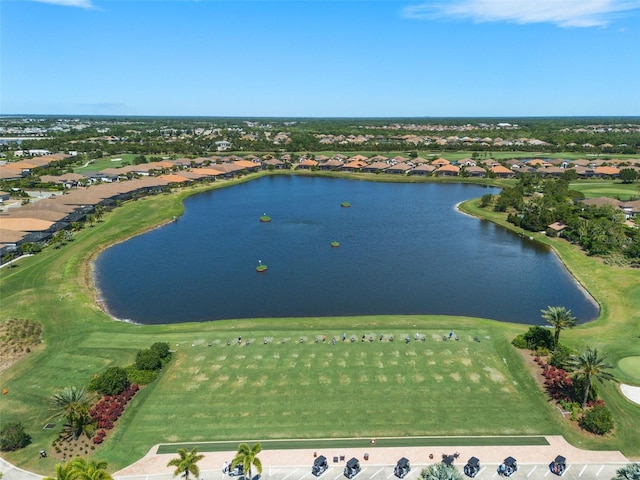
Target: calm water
404,249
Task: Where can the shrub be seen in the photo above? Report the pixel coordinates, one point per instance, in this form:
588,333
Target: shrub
562,356
161,348
13,437
519,341
148,360
539,337
140,377
112,382
597,420
542,351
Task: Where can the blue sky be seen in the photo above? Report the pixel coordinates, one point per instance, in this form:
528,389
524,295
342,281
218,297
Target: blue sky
320,58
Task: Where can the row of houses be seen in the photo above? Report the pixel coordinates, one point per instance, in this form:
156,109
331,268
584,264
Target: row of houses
37,222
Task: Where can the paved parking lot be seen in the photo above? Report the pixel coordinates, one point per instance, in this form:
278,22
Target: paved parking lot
576,471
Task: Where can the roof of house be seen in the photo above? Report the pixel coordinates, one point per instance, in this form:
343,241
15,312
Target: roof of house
449,168
11,236
607,170
557,226
23,224
440,161
501,169
602,201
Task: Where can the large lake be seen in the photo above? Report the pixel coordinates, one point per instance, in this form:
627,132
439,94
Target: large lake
404,249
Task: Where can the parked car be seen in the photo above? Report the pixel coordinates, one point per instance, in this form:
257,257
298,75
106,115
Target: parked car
508,467
320,466
472,467
352,468
558,466
402,468
236,471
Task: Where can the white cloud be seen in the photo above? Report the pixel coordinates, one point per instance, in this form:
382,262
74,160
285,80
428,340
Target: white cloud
69,3
564,13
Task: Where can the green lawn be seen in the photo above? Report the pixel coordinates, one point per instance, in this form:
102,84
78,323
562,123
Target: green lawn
295,390
604,188
102,163
384,442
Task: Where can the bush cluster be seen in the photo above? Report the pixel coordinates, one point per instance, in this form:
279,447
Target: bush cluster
154,357
597,419
536,338
13,437
110,407
112,381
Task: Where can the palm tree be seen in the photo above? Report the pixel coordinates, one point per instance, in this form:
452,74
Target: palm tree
82,469
63,472
440,471
186,463
628,472
72,405
248,457
560,318
590,365
98,211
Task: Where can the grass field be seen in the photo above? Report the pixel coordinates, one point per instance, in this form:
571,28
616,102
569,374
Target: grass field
603,188
102,163
293,389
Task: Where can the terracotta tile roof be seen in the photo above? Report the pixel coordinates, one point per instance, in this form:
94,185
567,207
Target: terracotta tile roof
24,224
499,169
8,172
11,236
174,178
246,164
607,170
308,163
210,172
449,169
557,226
356,164
378,166
440,162
67,177
49,215
425,168
52,203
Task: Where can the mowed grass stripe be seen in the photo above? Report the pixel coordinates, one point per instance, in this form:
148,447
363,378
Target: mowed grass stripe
363,443
360,389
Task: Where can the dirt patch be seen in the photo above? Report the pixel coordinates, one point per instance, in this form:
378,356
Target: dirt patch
18,338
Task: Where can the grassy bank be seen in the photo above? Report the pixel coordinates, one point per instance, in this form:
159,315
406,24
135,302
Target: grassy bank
293,389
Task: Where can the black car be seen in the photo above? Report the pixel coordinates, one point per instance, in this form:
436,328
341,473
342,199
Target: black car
320,466
472,467
448,460
558,466
236,471
402,468
508,467
352,468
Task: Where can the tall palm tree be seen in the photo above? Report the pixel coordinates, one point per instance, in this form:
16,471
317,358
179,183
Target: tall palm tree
63,472
186,463
248,457
591,365
560,318
83,469
440,471
628,472
72,405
